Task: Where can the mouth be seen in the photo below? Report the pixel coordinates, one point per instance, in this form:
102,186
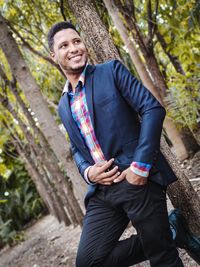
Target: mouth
75,58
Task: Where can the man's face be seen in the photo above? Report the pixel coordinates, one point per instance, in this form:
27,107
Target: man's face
69,51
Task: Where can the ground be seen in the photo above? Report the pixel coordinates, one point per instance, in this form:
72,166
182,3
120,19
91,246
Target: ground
50,244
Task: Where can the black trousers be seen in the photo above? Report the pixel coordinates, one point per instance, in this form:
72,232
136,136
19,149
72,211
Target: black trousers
108,214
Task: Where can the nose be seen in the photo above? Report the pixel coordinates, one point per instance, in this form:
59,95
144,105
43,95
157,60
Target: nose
72,48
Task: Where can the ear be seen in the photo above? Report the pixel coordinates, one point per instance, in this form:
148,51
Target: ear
52,56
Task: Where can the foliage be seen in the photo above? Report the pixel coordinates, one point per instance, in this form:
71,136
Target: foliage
184,100
32,21
19,200
178,23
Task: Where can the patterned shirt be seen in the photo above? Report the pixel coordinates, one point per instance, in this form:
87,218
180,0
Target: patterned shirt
81,116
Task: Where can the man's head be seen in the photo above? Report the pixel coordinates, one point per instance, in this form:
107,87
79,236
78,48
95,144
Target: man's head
67,48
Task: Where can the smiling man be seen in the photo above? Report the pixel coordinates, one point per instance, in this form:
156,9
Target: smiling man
114,125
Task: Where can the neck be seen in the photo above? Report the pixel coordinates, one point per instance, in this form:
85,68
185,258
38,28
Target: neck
73,79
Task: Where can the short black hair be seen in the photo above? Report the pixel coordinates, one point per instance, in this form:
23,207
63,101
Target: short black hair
56,28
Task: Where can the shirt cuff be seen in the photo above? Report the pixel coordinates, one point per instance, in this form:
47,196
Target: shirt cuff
140,168
86,175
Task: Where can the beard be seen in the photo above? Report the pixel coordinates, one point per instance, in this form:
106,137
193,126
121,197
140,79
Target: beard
74,68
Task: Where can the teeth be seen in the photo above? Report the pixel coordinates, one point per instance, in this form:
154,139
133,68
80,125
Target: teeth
75,57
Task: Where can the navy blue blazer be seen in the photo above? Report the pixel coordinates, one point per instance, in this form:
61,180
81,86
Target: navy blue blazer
127,120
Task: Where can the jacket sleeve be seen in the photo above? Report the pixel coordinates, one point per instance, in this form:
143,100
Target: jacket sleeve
152,113
81,163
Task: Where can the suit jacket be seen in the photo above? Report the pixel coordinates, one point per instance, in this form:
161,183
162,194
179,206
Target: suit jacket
127,120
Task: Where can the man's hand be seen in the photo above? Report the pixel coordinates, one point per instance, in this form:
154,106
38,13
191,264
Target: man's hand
100,174
131,177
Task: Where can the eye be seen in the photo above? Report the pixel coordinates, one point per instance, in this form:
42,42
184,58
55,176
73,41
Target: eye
77,41
63,46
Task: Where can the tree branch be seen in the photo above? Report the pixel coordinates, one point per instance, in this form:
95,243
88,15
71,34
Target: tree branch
9,23
62,10
173,59
14,136
29,47
150,26
155,18
131,25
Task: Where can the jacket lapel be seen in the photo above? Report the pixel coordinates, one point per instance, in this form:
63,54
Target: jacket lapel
69,122
89,91
66,115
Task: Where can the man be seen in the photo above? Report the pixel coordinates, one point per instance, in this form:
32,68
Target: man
114,125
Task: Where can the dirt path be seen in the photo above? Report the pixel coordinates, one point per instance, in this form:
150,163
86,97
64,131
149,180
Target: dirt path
47,244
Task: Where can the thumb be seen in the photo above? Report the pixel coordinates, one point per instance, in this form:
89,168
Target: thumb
120,177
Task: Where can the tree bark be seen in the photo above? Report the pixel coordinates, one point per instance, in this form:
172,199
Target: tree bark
39,106
181,193
90,17
94,33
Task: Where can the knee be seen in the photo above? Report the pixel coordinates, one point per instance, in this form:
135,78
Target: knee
87,260
83,260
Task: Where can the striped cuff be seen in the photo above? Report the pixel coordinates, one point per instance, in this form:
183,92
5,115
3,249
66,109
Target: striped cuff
140,168
86,176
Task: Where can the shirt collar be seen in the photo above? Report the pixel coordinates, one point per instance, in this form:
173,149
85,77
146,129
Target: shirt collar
81,81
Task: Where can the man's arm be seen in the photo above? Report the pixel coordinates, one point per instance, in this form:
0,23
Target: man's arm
82,165
152,115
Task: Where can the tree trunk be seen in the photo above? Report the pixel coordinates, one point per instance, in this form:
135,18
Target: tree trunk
39,106
88,18
192,144
181,193
94,33
174,136
196,134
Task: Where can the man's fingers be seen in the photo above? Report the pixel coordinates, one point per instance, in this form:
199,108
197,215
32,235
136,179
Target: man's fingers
106,183
110,173
111,178
106,165
120,177
101,163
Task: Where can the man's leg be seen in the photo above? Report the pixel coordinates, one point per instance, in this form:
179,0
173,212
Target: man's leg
126,253
146,208
99,246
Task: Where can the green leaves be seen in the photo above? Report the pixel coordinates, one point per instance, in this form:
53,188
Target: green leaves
19,202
